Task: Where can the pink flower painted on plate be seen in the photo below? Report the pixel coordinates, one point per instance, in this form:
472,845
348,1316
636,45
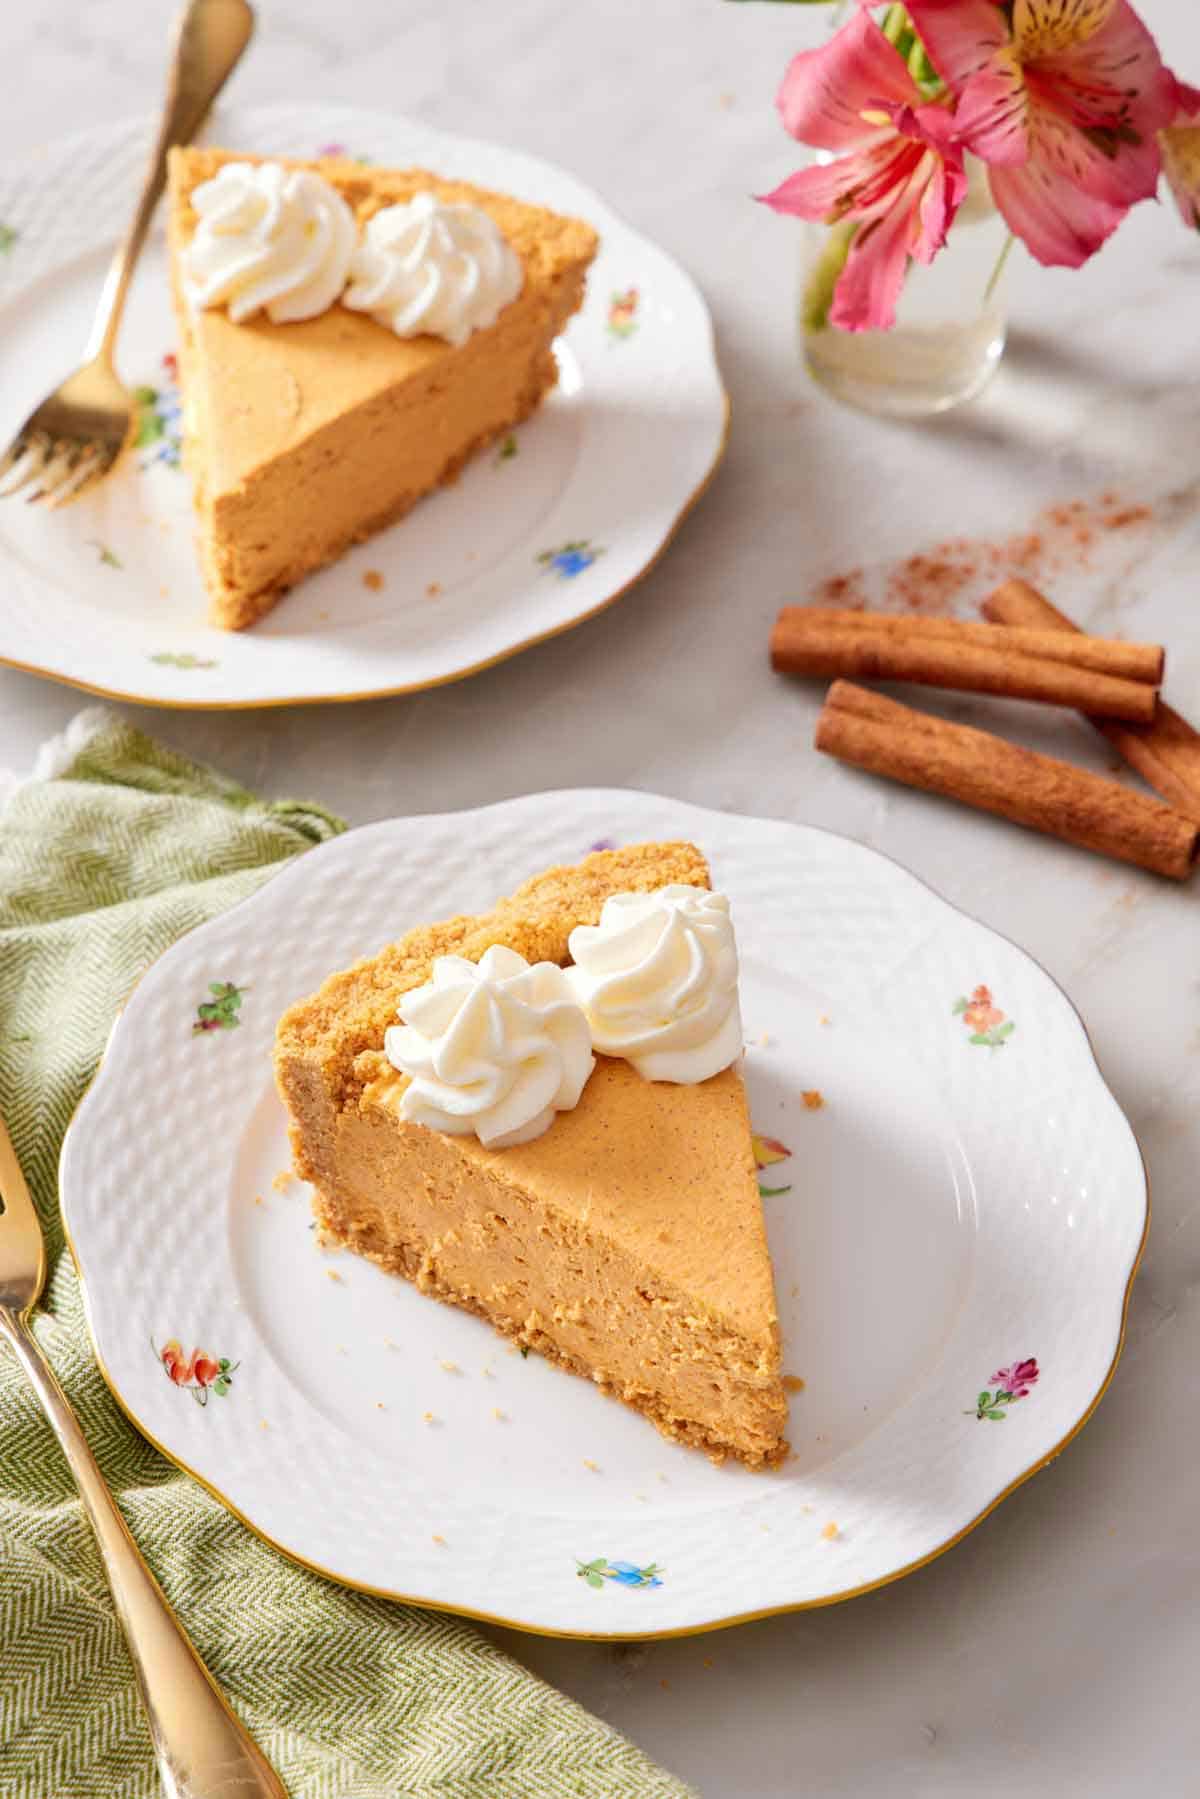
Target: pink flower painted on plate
1063,102
1012,1384
342,152
989,1026
894,179
1017,1379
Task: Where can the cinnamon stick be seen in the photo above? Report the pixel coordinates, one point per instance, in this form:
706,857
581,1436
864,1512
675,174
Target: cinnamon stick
1106,655
984,771
863,651
1166,752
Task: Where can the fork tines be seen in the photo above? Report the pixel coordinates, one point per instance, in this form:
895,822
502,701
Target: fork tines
57,469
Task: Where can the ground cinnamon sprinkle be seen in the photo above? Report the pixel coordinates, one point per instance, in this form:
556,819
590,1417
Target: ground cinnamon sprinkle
843,590
951,575
1125,516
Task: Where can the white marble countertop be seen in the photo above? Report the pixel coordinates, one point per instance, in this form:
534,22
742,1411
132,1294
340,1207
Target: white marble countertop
1055,1650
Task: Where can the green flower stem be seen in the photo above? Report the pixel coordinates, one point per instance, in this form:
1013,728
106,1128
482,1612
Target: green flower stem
818,289
1001,262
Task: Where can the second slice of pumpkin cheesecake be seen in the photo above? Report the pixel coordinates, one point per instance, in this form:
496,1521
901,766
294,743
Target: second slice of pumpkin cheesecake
601,1208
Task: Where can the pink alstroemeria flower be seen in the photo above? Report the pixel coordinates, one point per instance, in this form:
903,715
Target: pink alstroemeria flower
1180,143
1064,103
900,178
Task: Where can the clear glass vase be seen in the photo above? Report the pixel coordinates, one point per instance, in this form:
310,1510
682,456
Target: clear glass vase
950,323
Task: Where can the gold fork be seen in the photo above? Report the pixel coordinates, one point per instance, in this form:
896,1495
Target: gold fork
203,1751
73,439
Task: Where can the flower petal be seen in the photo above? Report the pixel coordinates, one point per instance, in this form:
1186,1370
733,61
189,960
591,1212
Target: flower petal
1187,103
855,186
1060,225
1181,161
993,111
1113,88
961,36
1044,27
944,194
825,92
869,286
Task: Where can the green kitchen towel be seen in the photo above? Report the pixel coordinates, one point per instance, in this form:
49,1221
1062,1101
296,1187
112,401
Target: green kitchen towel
110,853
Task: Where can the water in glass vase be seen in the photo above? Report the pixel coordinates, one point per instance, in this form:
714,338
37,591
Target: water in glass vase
950,322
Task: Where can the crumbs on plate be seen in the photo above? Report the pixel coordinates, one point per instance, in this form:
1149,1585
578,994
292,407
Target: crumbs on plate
813,1099
373,579
793,1383
283,1180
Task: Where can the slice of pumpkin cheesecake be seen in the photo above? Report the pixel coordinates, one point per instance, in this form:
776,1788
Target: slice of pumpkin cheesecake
349,337
600,1204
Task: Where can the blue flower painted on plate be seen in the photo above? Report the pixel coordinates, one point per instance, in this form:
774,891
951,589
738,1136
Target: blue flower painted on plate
621,1574
570,559
160,418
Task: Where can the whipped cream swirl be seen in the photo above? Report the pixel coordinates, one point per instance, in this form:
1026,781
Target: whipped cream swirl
269,239
495,1047
658,980
432,267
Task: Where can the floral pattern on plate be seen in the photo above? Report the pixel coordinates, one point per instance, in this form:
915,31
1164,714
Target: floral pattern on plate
220,1013
341,150
767,1152
570,559
199,1373
622,1574
160,418
990,1028
1011,1384
622,314
183,659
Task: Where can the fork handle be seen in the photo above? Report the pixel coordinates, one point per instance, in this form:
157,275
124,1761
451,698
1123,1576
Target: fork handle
208,43
203,1751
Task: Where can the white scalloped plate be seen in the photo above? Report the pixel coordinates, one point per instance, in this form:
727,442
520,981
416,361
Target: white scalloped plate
538,534
967,1199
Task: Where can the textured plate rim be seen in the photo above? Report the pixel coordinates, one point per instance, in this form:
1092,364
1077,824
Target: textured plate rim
617,795
81,139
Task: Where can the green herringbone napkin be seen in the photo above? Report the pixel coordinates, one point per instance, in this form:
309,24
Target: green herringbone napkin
102,865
